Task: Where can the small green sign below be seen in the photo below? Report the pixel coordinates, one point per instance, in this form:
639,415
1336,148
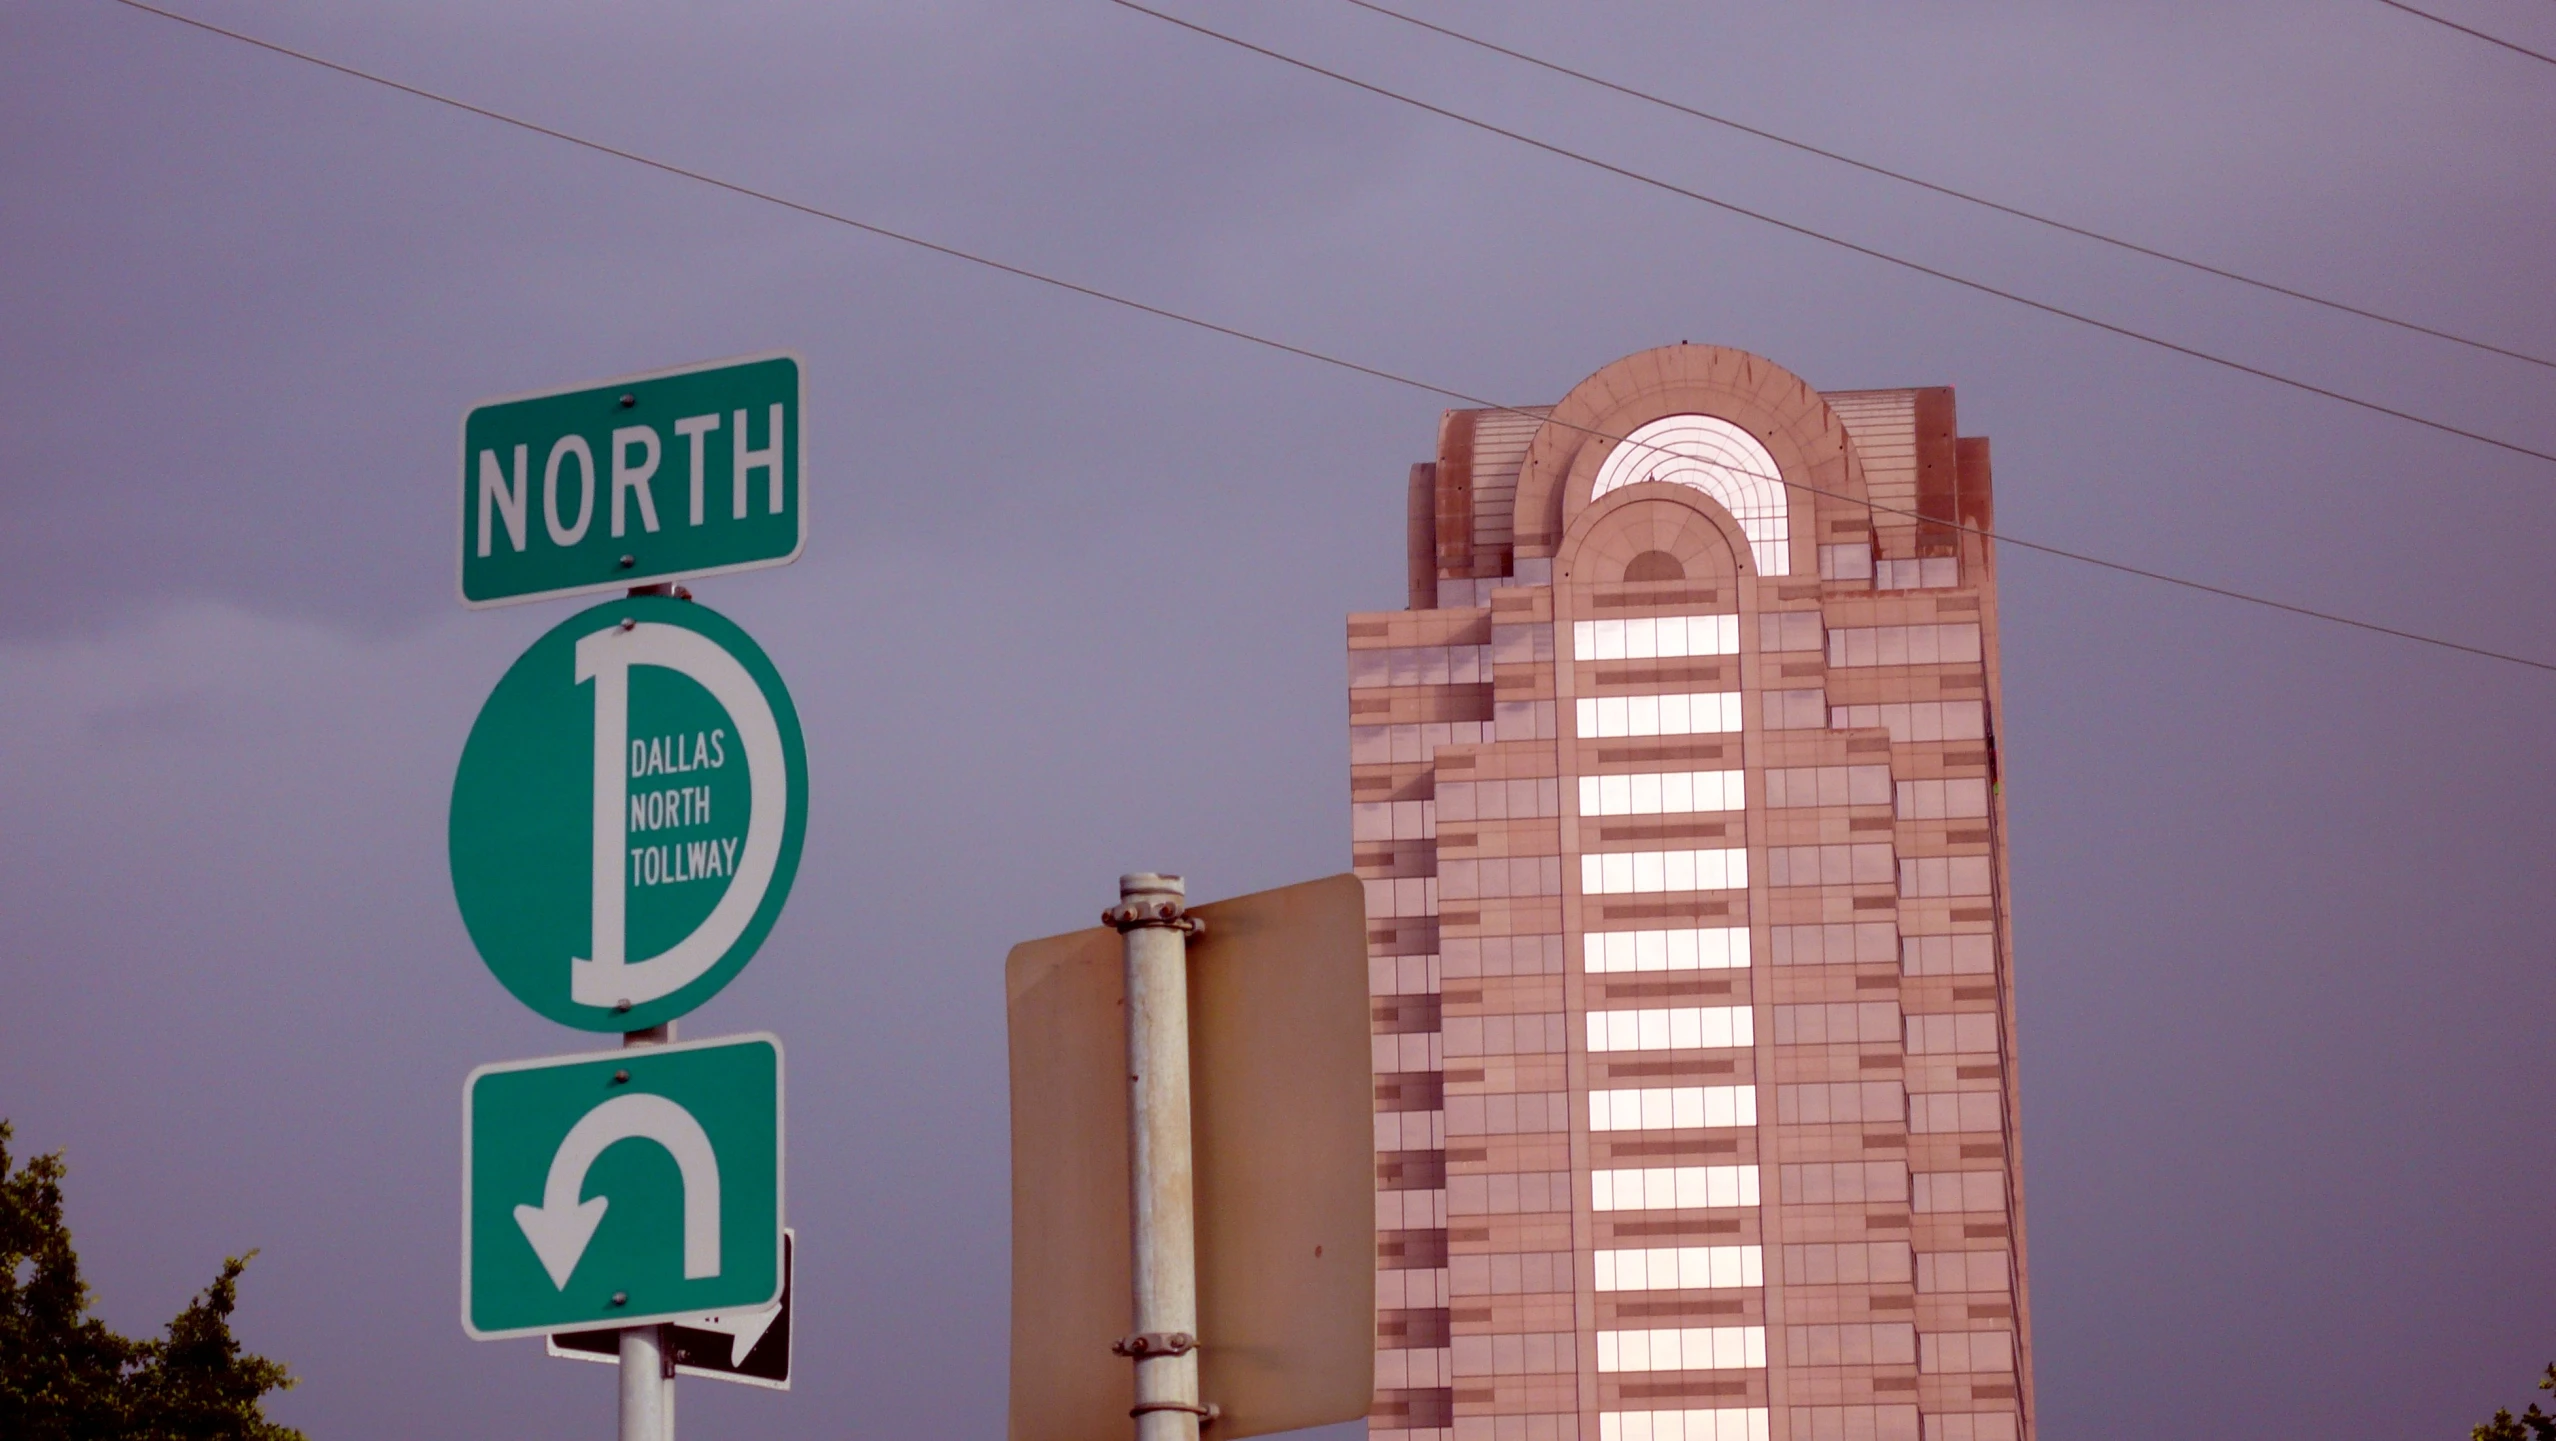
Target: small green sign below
621,1188
676,473
628,812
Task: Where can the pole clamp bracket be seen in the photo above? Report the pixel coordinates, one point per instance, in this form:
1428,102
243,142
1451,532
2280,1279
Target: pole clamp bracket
1166,915
1207,1415
1144,1345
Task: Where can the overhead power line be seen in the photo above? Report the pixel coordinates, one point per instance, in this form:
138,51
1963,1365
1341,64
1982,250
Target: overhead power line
1903,262
1234,332
2468,30
1968,197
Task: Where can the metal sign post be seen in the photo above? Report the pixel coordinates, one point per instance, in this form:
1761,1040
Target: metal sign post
1154,928
647,1365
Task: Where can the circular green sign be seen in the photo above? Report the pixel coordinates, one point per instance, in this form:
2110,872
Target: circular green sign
627,817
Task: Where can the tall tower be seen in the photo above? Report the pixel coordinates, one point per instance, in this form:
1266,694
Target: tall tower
1675,791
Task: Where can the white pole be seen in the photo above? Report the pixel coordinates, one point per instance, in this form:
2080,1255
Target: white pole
1150,917
647,1370
645,1388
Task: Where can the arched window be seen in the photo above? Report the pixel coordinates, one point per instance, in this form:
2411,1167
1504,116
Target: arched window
1721,460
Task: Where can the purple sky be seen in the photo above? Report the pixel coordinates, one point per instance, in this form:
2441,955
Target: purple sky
1073,601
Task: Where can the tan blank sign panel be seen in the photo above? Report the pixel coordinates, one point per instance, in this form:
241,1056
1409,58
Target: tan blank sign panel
1284,1141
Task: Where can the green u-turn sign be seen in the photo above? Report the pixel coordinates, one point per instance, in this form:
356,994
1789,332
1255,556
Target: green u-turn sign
621,1188
627,817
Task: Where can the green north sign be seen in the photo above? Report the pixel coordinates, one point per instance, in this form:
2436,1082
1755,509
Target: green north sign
654,477
621,1188
627,816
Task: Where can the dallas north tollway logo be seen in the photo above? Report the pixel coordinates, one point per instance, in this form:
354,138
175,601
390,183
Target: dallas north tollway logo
627,817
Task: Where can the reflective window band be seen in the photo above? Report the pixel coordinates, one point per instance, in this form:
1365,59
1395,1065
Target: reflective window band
1685,1348
1719,458
1616,873
1675,1028
1905,645
1728,1423
1672,1188
1672,1108
1715,948
1681,1268
1655,637
1420,665
1701,713
1665,793
1925,720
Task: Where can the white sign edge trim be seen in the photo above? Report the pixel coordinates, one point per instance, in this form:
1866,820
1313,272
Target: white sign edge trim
461,532
780,1175
550,1344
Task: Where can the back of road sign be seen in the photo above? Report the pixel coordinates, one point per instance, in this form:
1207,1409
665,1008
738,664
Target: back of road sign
1284,1152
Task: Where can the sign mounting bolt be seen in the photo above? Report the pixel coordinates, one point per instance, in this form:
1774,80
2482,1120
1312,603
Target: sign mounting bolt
628,401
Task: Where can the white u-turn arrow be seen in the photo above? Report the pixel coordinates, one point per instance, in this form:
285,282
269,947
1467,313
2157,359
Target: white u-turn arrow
562,1224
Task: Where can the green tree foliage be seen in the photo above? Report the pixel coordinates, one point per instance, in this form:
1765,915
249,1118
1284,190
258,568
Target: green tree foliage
2530,1425
64,1376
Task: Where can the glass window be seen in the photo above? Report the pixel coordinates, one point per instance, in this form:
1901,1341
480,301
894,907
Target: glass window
1950,720
1795,710
1829,786
1957,1351
1637,872
1848,1183
1672,1188
1836,1102
1967,1191
1837,1023
1973,1426
1724,461
1933,572
1924,876
1962,1270
1701,713
1956,1111
1681,1268
1944,1035
1672,1028
1705,949
1846,562
1672,1108
1905,645
1788,630
1728,1423
1838,943
1868,1343
1655,637
1960,798
1661,793
1866,864
1685,1348
1894,1422
1848,1263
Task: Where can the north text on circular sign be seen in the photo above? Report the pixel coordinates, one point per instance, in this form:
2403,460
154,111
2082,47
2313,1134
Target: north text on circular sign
627,817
